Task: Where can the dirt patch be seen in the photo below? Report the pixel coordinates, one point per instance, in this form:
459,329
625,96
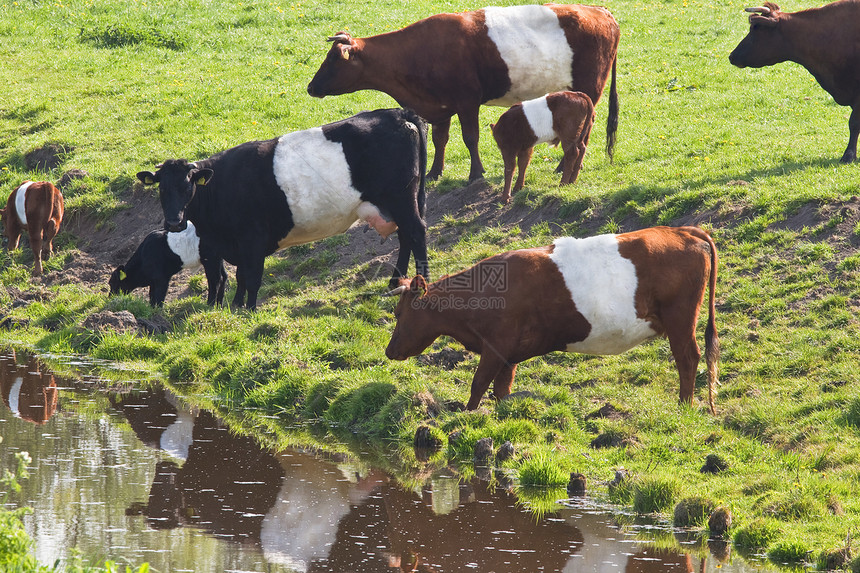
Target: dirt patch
102,245
48,157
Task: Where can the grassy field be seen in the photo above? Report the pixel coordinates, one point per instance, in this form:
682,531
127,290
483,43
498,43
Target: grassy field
752,155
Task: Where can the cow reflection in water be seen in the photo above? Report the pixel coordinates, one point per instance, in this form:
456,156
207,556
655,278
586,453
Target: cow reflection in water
485,530
313,516
28,390
289,504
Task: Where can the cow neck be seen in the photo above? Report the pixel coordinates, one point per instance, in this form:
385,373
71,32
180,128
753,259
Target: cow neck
810,43
199,206
457,321
199,209
388,56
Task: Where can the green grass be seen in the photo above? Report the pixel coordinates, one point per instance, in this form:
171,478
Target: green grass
750,154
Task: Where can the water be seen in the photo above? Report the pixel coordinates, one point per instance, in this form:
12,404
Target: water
138,476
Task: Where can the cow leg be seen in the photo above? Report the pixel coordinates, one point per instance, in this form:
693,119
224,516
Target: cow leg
239,297
36,246
489,367
680,325
578,155
401,268
510,164
504,381
572,162
419,250
471,133
440,135
222,285
523,160
850,154
214,268
254,279
48,235
14,239
158,292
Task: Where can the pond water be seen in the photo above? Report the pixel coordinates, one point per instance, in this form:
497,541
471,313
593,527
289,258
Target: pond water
138,476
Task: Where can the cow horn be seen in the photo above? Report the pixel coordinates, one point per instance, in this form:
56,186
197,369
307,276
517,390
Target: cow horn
340,37
397,292
758,10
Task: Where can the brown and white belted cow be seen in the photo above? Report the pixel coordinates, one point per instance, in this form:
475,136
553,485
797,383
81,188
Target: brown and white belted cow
825,41
451,64
558,118
598,295
35,207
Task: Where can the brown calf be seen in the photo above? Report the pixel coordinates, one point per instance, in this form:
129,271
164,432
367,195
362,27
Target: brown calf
599,295
560,117
37,207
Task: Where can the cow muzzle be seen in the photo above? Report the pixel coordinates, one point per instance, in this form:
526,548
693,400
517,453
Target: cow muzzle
175,226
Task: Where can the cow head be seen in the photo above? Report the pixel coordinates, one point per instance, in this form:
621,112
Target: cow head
117,281
342,68
177,183
765,44
416,317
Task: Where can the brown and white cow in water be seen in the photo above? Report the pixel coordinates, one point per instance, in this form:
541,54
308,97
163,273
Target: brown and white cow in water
561,117
451,64
35,207
599,295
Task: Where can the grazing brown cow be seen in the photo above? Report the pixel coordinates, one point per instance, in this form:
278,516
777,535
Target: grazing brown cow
451,64
825,41
37,207
599,295
561,117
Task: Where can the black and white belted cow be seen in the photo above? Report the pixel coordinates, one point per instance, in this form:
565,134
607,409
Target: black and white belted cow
258,197
161,255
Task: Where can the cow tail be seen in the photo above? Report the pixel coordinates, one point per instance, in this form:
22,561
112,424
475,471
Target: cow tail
422,160
612,120
712,340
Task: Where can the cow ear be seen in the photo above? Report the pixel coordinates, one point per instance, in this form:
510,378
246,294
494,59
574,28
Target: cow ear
202,177
147,177
122,275
345,51
418,285
764,21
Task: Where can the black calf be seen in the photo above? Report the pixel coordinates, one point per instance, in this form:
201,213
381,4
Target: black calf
160,256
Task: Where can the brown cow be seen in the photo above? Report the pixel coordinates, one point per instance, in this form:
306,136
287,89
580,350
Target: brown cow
561,117
37,207
599,295
825,41
451,64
